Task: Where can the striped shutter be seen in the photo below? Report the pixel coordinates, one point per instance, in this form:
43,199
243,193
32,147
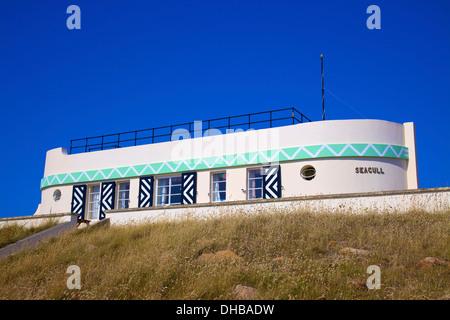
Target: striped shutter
188,187
146,191
107,195
271,182
78,200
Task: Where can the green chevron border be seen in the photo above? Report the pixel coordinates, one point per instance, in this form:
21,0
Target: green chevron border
248,158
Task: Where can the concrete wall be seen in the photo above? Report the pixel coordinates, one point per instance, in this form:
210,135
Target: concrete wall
35,220
424,200
412,176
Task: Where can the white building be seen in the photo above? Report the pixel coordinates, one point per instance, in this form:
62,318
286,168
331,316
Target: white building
307,158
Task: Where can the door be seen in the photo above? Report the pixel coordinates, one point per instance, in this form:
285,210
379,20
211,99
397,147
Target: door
93,203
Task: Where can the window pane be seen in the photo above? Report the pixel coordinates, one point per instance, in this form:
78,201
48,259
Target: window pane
176,180
94,210
163,200
255,194
254,173
94,195
163,191
221,176
124,195
123,204
175,199
124,186
176,190
163,182
219,196
219,186
255,183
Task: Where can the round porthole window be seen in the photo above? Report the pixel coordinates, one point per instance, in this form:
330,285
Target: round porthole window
57,195
308,172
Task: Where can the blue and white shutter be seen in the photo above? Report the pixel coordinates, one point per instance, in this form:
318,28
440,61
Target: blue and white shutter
271,182
78,200
107,195
146,191
188,187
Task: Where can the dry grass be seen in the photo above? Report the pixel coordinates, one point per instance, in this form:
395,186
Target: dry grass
285,255
14,232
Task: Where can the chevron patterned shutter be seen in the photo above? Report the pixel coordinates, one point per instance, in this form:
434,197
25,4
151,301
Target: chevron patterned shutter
107,195
188,187
146,191
271,182
78,200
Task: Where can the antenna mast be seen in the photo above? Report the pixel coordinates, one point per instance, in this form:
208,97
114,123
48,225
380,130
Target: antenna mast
323,90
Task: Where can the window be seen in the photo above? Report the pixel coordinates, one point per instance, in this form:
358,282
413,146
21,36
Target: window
218,186
308,172
93,202
123,195
168,191
57,195
255,184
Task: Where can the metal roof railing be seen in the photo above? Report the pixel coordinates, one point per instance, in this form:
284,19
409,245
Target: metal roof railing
258,120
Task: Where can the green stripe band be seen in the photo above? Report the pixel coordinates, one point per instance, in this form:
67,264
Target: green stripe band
248,158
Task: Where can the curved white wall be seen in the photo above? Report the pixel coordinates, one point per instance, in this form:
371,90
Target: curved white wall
310,133
334,174
339,176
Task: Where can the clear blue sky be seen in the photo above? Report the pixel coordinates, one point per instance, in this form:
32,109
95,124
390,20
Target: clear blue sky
139,64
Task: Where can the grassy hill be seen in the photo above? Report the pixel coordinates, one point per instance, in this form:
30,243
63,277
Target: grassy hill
283,255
